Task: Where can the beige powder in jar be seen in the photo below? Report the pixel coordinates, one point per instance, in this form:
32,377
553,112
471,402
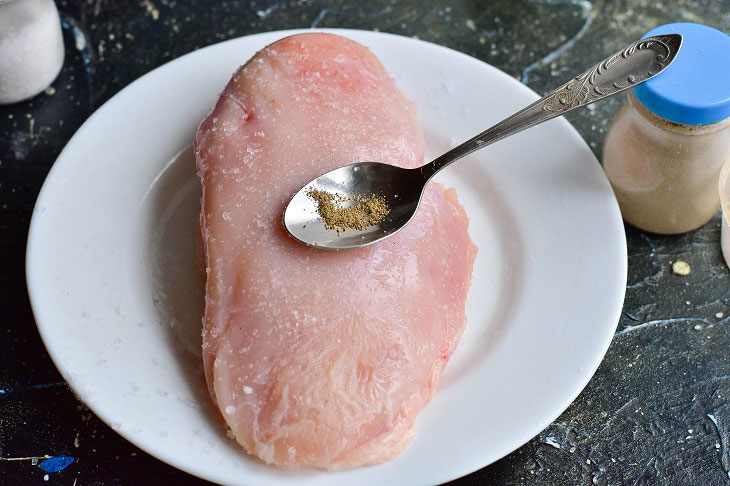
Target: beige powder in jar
664,174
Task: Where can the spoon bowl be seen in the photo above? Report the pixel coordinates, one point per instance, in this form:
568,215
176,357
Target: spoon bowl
402,188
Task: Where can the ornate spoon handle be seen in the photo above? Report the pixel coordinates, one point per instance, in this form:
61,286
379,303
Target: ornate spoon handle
627,68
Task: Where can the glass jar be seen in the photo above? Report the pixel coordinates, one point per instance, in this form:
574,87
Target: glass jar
664,174
665,147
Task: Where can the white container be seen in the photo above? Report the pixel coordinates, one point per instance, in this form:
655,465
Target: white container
31,48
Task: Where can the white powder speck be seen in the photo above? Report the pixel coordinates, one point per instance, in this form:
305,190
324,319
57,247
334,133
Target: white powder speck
549,440
230,409
719,315
247,390
151,9
79,40
698,327
45,478
226,215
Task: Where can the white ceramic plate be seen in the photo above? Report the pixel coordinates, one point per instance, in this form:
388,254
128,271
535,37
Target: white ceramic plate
111,267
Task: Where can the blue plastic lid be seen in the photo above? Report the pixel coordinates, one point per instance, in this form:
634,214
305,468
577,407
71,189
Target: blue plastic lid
695,88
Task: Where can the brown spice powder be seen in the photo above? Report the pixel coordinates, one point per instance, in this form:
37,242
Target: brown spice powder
341,213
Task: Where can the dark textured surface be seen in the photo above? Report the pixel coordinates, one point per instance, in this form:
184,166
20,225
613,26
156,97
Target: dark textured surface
656,411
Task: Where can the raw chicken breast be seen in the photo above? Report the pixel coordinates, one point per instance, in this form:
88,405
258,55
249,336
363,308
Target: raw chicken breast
319,358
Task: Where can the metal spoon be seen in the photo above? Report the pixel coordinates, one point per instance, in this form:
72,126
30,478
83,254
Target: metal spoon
402,188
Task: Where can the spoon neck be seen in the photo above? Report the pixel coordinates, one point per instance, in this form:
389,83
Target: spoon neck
482,140
429,170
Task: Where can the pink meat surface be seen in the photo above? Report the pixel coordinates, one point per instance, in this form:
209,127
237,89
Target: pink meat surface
318,358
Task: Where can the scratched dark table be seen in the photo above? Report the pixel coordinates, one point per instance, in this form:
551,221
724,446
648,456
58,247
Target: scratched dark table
657,410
